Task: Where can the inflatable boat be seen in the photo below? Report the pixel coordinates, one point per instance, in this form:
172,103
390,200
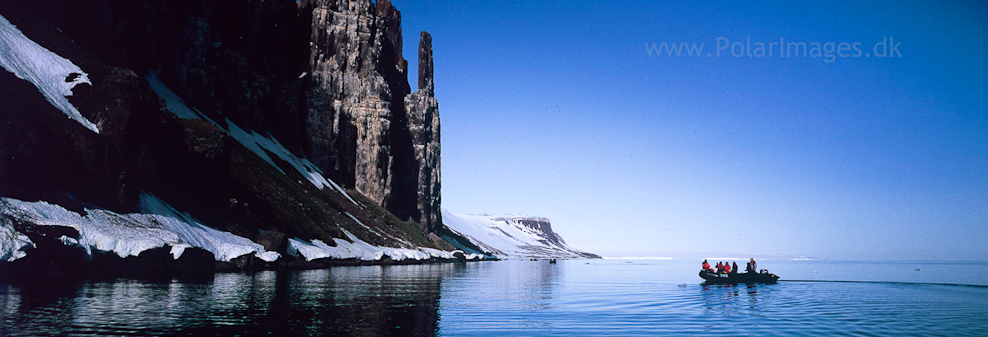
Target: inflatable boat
721,278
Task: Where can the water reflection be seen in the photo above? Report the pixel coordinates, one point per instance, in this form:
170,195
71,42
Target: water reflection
488,298
735,299
508,297
361,301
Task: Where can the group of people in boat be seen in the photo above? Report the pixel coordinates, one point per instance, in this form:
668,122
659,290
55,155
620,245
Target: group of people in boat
730,268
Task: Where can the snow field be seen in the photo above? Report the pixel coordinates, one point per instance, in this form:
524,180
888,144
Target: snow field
502,238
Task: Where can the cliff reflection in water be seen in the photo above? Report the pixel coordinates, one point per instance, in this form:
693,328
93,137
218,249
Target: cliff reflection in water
375,300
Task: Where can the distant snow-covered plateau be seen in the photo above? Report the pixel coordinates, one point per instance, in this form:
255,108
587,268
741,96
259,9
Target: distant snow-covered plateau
512,236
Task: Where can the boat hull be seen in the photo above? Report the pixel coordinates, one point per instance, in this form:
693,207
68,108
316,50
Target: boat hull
715,278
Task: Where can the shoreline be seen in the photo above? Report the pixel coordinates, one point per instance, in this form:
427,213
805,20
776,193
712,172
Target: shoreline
105,266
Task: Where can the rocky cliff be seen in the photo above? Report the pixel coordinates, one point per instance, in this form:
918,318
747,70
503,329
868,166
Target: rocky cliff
363,129
235,112
423,127
349,113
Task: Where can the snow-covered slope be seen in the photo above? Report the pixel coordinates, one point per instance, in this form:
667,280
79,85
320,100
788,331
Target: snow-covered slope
512,236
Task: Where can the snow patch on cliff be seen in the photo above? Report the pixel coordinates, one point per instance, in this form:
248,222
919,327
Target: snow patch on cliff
53,75
262,145
173,103
259,144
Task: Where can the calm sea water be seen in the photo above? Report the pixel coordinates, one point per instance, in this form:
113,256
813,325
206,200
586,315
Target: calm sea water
524,298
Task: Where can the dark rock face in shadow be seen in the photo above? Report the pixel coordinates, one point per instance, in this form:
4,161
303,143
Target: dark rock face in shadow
326,78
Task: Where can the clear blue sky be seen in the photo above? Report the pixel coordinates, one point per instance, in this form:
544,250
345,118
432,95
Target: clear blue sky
557,109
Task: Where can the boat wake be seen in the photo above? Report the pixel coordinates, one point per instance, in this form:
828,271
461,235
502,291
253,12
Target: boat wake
892,282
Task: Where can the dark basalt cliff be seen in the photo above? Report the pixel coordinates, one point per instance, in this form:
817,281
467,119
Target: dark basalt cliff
362,129
423,125
326,78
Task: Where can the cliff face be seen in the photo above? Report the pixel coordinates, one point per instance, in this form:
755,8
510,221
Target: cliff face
423,125
349,103
323,81
362,128
326,78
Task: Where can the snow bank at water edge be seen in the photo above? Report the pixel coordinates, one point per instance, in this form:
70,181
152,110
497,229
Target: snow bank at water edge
126,234
361,250
224,245
55,76
12,243
161,225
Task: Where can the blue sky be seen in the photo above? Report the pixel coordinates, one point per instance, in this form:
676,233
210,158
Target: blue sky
557,109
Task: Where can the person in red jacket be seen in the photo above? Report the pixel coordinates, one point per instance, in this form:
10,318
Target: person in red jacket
706,266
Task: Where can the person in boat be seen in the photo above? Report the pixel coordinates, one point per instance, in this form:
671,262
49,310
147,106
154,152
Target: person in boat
727,268
734,268
720,267
747,267
753,266
706,266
